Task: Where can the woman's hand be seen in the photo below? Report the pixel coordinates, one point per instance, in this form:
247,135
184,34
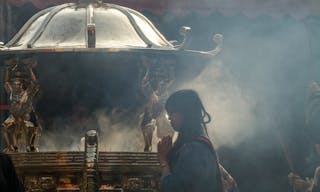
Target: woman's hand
164,146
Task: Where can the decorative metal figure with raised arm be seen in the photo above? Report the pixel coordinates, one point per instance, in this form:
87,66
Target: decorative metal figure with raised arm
21,127
155,83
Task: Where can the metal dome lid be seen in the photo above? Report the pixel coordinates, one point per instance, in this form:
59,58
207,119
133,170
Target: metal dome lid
88,24
94,26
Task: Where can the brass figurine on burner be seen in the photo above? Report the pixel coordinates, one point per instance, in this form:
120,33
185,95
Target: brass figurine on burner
21,128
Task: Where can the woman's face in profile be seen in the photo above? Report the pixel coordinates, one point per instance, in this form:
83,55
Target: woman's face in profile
176,120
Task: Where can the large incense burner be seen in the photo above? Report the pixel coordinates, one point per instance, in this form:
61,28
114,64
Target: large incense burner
93,55
88,56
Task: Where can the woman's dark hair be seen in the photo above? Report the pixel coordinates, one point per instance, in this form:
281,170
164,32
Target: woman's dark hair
188,103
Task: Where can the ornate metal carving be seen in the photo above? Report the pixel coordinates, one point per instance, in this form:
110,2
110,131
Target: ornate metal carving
157,79
85,172
40,183
91,161
21,128
91,37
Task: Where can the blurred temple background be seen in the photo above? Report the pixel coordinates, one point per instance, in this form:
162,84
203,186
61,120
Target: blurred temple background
257,88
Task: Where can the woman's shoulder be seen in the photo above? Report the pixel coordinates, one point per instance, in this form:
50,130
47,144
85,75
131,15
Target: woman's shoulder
196,153
196,147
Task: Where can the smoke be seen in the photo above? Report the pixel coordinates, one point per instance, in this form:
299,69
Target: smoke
259,80
231,109
122,135
115,132
256,92
256,85
65,133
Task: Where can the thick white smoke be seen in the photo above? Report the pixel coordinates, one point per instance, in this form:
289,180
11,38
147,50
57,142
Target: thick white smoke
230,107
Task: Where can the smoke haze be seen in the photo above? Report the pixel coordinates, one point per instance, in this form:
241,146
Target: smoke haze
255,89
256,92
259,79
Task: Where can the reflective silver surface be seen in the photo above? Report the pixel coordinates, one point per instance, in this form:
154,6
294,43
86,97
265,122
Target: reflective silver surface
65,26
